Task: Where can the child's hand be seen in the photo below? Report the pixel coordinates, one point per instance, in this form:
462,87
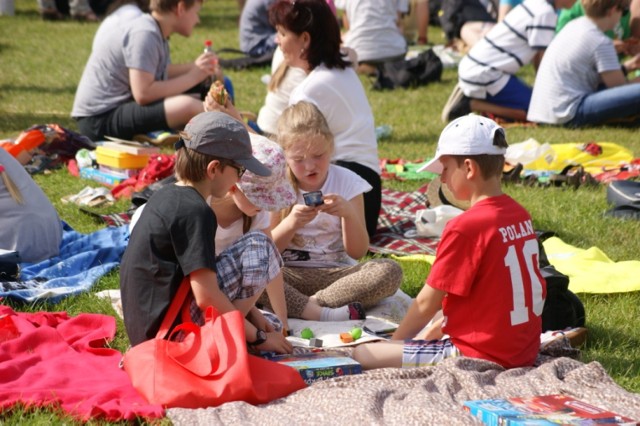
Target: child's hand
207,63
301,215
210,104
632,46
276,342
336,205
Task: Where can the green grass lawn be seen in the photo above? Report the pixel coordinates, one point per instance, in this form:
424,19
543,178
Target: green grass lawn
40,66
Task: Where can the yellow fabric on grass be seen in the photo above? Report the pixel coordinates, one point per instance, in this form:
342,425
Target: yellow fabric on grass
613,155
589,271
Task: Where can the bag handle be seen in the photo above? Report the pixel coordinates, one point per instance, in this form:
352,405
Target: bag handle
174,308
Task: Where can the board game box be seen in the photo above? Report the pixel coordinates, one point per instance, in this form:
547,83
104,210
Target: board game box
322,365
542,410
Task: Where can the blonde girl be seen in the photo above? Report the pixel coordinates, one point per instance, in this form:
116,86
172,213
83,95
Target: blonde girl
320,245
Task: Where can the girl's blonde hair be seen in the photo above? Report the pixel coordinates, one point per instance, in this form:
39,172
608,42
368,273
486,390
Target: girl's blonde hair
278,76
298,122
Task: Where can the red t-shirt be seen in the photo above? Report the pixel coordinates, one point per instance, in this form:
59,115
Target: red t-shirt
487,262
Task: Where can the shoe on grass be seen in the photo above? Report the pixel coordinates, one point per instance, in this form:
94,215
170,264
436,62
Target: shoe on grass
576,336
457,105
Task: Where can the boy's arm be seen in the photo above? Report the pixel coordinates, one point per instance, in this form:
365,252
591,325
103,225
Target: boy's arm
206,292
422,310
613,78
146,89
537,58
204,285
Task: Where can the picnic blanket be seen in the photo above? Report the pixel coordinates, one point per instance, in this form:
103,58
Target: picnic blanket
82,260
52,359
425,396
397,217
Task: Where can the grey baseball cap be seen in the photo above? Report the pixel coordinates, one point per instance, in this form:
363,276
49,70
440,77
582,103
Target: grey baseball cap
220,135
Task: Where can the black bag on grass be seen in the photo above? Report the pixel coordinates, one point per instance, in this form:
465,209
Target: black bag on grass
562,308
624,196
423,69
243,61
9,265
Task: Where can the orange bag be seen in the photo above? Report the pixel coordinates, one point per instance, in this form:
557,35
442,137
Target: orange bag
209,367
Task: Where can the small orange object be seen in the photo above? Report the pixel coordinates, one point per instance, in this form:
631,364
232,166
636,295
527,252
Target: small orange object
27,141
346,337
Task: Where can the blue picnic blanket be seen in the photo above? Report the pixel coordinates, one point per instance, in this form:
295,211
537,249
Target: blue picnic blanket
82,260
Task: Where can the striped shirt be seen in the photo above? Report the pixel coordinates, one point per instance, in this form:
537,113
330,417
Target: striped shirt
509,46
570,70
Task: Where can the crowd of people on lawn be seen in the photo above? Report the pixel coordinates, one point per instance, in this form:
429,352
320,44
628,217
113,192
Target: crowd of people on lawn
238,222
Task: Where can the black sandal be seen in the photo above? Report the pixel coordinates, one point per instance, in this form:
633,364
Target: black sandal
573,176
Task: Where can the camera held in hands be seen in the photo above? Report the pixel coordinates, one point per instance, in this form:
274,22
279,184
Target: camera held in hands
313,198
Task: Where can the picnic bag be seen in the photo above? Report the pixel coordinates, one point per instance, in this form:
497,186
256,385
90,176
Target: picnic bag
209,367
562,308
423,69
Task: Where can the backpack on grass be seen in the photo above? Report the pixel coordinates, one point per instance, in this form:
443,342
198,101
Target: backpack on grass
421,70
562,308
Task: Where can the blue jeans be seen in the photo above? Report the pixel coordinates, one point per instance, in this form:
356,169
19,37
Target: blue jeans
516,94
608,104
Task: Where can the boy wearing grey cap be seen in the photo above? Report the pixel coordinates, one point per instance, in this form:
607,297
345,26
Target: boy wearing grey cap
175,238
485,277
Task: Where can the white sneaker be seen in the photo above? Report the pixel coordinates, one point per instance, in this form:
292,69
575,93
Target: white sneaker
576,336
456,106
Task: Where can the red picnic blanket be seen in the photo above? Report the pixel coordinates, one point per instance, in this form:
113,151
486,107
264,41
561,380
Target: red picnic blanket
397,217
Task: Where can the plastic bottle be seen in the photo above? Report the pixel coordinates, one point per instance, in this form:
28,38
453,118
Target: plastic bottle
208,48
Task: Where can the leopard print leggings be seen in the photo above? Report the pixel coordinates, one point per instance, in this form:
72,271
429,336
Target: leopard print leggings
367,282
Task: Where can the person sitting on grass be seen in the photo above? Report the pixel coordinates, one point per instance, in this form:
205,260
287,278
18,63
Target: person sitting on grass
372,31
309,37
485,277
580,81
625,35
486,75
174,238
129,85
245,210
320,241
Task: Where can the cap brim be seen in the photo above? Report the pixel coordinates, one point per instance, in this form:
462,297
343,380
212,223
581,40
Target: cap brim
254,166
433,166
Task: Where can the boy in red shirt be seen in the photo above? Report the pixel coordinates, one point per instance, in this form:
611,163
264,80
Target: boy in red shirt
485,277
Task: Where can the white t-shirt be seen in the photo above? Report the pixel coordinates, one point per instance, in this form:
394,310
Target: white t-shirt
509,45
570,70
227,236
278,100
373,32
340,97
319,243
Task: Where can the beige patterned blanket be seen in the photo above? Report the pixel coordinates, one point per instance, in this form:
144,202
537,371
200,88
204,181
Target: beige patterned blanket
425,396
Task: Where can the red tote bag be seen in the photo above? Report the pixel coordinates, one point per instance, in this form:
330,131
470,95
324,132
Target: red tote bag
209,367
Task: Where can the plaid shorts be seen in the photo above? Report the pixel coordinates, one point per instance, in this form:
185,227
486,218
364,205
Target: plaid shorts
244,269
421,353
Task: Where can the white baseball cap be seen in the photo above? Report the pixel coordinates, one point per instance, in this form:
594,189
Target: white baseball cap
468,135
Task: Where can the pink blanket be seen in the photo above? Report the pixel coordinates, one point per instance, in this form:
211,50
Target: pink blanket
53,359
